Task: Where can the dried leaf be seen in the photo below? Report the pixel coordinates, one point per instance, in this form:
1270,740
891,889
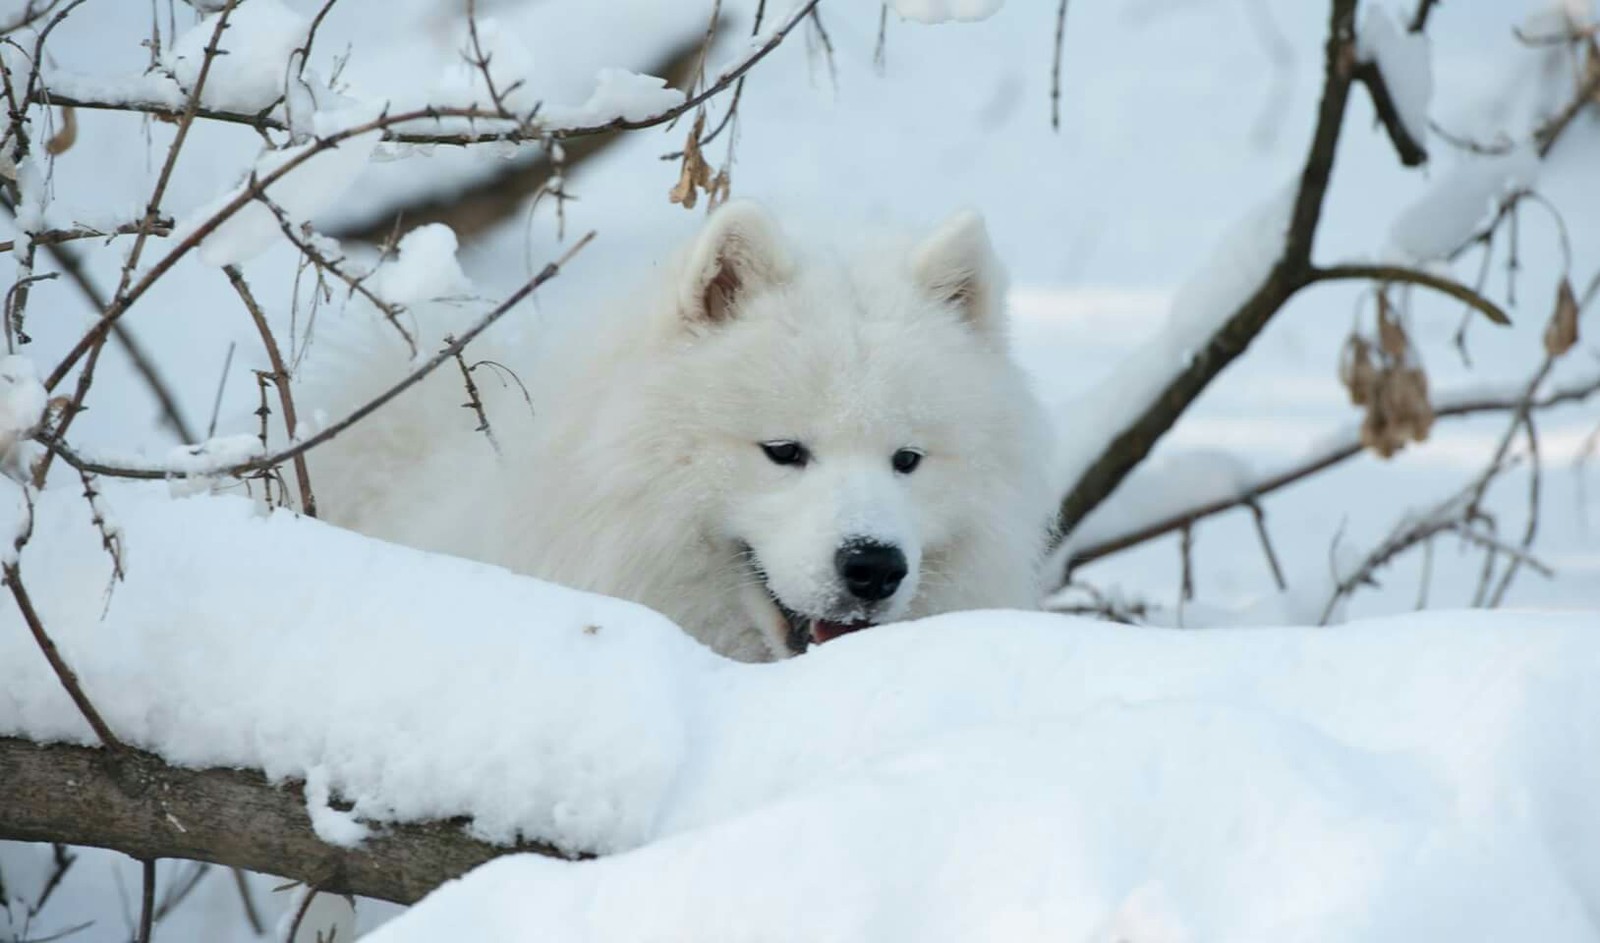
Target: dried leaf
1561,334
63,139
695,173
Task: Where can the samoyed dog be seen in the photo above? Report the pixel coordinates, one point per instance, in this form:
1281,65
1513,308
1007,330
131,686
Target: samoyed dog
771,446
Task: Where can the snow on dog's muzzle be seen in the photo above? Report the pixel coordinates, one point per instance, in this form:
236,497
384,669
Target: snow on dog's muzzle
870,571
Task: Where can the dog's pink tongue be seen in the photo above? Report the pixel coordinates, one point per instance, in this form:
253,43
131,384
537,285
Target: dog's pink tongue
828,631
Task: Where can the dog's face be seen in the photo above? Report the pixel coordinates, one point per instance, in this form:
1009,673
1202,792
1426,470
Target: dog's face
842,417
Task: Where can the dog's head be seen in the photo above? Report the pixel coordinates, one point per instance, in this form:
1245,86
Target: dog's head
852,417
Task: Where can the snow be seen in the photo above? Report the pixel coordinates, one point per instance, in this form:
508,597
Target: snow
1239,264
425,269
621,94
315,183
1026,774
1405,60
1445,215
251,69
1097,224
22,399
207,457
941,11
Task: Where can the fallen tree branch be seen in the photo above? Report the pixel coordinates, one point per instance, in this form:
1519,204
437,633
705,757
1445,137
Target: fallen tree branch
137,804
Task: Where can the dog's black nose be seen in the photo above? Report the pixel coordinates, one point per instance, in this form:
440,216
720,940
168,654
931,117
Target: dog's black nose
871,570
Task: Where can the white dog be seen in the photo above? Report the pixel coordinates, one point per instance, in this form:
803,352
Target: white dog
771,448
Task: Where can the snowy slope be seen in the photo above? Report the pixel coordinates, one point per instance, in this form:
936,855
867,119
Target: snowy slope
1031,776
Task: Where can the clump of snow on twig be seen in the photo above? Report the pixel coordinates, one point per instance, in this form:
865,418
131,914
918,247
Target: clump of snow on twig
1406,61
213,455
942,11
22,400
248,72
1445,215
618,93
425,269
302,192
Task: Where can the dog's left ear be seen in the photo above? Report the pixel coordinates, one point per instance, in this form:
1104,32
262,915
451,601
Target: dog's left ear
738,252
957,266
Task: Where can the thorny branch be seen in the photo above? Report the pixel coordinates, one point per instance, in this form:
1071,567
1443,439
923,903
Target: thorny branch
152,213
281,380
503,129
266,462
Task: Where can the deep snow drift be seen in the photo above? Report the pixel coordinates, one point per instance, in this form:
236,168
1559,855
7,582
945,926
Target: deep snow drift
1026,776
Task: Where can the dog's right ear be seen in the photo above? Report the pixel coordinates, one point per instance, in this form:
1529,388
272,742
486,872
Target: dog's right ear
738,252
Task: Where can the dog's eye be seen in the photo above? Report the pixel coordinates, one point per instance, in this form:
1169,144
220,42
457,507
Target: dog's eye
906,461
785,453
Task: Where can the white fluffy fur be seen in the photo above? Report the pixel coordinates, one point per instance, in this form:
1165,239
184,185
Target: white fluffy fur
642,476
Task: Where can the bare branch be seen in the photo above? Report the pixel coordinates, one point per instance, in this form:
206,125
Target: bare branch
1055,66
280,379
305,445
63,671
1395,273
1410,150
1230,339
503,129
1348,447
147,899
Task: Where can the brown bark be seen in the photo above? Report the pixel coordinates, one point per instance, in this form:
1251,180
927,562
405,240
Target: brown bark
135,803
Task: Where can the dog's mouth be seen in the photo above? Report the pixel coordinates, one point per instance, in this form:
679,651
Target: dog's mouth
805,631
801,631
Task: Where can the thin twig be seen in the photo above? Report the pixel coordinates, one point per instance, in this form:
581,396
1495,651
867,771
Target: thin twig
63,671
305,445
1055,66
147,899
280,379
530,131
1395,273
1347,448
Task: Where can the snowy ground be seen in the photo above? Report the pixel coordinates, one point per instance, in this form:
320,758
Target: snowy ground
1377,781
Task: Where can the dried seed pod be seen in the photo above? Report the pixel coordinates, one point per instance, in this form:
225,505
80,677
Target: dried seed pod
1391,336
1561,334
1356,371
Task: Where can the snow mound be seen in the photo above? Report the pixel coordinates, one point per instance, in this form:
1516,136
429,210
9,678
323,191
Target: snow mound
976,776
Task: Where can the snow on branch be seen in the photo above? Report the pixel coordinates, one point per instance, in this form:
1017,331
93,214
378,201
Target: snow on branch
609,109
1396,68
1285,267
1094,544
228,461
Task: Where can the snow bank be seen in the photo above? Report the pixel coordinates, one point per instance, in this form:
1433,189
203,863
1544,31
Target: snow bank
977,776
